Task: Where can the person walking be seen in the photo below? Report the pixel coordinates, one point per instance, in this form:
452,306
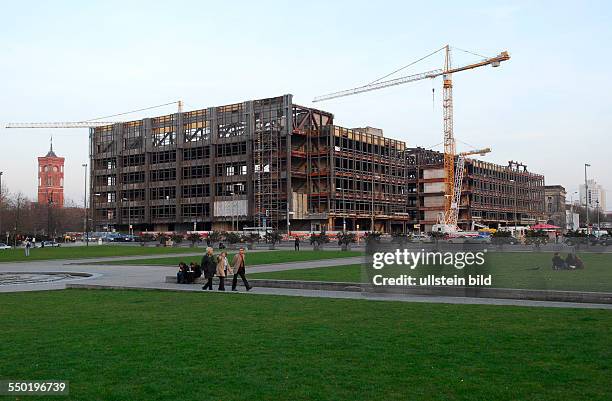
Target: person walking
238,267
209,266
296,243
222,269
28,244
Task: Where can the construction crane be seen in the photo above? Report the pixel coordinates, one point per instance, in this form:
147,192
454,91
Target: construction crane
447,103
449,222
89,123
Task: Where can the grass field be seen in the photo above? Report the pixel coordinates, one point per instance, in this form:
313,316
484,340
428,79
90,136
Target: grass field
508,270
254,258
147,345
94,251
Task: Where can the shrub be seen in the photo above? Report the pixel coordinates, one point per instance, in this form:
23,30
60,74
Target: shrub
215,236
177,238
232,238
161,238
193,238
319,239
347,238
273,237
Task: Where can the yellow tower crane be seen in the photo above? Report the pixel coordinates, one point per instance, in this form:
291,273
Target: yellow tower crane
449,218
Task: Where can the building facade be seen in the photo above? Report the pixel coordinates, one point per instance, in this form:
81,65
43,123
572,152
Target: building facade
555,209
492,194
273,163
51,179
593,195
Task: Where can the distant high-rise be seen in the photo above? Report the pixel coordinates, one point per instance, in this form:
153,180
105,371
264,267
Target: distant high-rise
51,179
596,196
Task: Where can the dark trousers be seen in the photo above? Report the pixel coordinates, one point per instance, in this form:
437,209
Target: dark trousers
208,284
297,247
221,283
244,280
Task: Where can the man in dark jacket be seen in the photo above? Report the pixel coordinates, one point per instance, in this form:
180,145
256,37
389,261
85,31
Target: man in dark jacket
209,266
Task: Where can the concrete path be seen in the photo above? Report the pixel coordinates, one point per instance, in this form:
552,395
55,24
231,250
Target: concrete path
133,275
151,277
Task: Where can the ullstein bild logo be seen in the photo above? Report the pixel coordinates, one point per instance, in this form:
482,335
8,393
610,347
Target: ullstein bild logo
397,259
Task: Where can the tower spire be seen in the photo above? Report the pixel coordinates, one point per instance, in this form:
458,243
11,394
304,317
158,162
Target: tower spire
51,152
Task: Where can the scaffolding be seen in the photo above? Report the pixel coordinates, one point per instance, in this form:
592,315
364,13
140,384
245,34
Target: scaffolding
270,185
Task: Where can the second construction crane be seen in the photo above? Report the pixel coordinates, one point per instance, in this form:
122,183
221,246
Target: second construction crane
451,204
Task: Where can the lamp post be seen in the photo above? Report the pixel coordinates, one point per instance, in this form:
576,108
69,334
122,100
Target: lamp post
85,231
372,206
343,210
515,205
129,216
597,211
1,204
586,196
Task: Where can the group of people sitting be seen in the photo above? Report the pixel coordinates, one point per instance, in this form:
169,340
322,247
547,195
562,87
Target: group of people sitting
212,265
571,262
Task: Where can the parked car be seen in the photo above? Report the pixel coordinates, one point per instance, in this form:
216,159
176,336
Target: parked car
3,246
424,238
604,240
50,244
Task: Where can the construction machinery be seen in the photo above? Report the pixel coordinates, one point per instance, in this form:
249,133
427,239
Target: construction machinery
93,123
449,220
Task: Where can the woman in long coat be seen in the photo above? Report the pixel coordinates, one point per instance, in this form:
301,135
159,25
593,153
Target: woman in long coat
222,267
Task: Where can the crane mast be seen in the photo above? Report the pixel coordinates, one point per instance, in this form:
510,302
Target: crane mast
449,139
452,183
452,217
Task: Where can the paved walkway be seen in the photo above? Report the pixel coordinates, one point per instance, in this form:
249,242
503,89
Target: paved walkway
133,275
151,277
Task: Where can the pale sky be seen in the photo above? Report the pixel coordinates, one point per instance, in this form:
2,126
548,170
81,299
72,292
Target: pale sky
549,106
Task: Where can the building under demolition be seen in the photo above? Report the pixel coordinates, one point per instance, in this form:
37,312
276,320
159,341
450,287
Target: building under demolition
492,195
272,163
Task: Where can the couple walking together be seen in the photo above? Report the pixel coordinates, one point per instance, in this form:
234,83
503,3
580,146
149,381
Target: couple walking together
220,266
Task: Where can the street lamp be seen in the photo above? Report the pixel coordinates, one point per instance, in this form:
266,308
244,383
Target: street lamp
586,196
372,206
85,231
1,204
515,202
129,216
343,210
597,211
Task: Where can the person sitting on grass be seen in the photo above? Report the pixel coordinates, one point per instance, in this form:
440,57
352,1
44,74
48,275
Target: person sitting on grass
574,262
197,270
181,276
557,262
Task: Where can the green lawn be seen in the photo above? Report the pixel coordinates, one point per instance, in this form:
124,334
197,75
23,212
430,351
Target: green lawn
344,273
508,270
254,258
94,251
149,345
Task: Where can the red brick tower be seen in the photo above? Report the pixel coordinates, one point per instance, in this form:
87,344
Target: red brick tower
51,179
